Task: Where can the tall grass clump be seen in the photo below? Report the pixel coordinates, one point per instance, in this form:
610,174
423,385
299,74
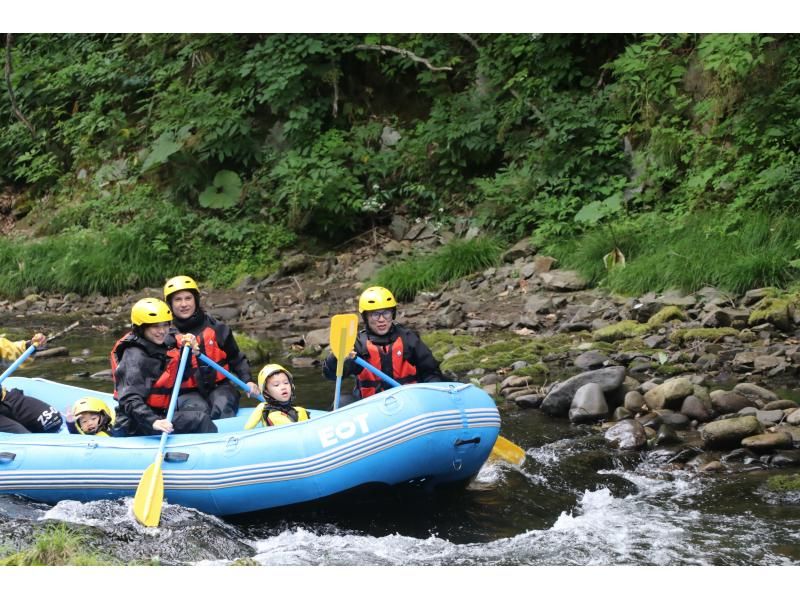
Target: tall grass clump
455,260
58,545
752,250
83,262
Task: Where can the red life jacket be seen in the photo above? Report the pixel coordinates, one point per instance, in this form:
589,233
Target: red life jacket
209,344
189,383
161,390
390,360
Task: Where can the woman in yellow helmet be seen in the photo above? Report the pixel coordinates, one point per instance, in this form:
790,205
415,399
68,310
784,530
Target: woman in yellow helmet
394,349
277,388
19,413
144,365
216,341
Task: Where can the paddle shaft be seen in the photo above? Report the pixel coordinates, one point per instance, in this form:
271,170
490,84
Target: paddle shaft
208,361
173,403
340,367
17,363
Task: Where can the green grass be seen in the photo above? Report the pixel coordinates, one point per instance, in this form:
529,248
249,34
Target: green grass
58,545
453,261
83,262
131,256
699,251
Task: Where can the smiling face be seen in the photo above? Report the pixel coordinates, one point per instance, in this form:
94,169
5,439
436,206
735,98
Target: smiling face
88,422
183,304
379,320
279,387
156,333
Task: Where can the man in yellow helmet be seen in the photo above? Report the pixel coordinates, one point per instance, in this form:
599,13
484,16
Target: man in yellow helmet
392,348
216,341
19,413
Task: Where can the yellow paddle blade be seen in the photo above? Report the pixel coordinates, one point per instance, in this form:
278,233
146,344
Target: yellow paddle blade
150,495
344,328
507,451
255,417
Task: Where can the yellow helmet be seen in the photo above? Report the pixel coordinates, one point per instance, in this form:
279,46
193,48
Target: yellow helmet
376,298
93,405
180,283
270,369
150,311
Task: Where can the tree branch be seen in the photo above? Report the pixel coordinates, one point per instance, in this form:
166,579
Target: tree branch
402,52
11,95
468,38
335,108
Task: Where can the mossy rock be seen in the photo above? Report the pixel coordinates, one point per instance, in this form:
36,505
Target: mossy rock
538,371
256,350
704,334
442,342
620,330
671,369
245,562
784,483
778,311
665,314
504,351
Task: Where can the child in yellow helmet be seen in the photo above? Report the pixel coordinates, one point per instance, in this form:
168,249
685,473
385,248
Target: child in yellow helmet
91,416
21,414
277,389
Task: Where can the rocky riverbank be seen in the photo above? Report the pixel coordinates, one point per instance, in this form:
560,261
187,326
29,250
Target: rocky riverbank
650,369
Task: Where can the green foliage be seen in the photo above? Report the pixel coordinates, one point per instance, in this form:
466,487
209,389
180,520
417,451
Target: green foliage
528,135
649,75
784,483
753,250
133,238
455,260
58,544
224,192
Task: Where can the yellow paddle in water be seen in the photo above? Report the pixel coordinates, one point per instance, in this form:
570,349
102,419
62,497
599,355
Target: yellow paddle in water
150,493
344,328
506,450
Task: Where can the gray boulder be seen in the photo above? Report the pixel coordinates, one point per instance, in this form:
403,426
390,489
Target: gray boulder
558,400
589,404
628,434
729,432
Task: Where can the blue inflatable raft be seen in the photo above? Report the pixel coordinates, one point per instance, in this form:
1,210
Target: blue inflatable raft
423,434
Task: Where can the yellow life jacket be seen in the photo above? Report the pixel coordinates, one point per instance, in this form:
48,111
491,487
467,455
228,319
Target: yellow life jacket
278,418
274,417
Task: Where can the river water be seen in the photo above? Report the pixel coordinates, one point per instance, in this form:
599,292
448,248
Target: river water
573,502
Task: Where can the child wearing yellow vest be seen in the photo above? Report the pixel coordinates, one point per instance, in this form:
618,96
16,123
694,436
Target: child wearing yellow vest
277,389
